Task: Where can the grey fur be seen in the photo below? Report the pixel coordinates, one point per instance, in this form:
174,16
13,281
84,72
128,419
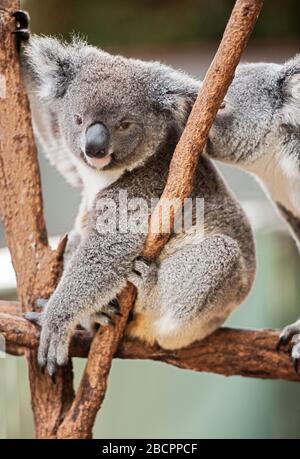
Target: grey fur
259,131
199,278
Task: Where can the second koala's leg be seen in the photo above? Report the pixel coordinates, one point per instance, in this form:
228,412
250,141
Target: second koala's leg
191,293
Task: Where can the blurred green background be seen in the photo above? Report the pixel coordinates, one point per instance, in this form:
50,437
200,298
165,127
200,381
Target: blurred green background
153,400
144,22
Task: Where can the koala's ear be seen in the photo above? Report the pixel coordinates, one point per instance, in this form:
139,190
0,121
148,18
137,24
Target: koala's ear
177,92
52,64
290,89
180,102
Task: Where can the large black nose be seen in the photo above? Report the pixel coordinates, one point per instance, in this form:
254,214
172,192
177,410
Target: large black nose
96,140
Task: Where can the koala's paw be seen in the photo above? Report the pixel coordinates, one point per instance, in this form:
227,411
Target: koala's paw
54,346
144,272
55,336
291,333
22,32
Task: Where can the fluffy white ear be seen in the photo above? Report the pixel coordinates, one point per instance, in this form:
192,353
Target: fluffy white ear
52,64
290,79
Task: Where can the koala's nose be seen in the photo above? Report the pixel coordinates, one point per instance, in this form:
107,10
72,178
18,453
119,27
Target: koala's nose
96,140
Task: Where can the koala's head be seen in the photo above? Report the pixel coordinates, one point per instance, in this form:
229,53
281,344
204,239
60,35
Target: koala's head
113,112
260,114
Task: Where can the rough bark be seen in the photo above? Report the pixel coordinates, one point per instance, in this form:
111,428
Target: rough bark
250,353
37,267
79,420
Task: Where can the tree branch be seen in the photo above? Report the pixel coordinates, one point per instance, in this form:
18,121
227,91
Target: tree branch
37,267
80,419
250,353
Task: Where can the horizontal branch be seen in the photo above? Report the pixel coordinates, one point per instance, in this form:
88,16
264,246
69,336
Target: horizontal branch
228,352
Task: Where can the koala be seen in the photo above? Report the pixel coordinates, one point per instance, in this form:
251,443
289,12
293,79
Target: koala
258,130
111,124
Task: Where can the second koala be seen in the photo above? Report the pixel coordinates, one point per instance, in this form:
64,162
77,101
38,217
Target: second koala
258,130
108,124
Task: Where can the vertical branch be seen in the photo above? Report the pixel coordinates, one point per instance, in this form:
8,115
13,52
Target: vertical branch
80,419
37,267
214,88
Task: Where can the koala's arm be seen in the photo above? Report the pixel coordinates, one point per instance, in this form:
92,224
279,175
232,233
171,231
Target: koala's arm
95,274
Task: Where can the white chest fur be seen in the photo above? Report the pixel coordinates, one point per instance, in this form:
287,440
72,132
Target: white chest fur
281,177
95,181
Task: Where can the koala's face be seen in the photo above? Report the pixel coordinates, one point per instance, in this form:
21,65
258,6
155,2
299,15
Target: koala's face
112,112
260,107
108,121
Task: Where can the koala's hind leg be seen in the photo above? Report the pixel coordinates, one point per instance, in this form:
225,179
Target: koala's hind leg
191,294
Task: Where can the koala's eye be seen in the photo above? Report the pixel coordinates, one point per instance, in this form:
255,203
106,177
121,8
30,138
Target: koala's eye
78,120
223,105
124,126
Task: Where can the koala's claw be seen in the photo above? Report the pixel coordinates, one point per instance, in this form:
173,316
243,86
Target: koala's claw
22,35
291,333
22,32
53,349
282,341
296,363
105,319
113,308
143,271
22,18
54,339
144,260
35,316
141,266
105,316
41,302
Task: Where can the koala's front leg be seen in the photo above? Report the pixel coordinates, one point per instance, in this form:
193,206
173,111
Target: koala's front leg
95,275
75,237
